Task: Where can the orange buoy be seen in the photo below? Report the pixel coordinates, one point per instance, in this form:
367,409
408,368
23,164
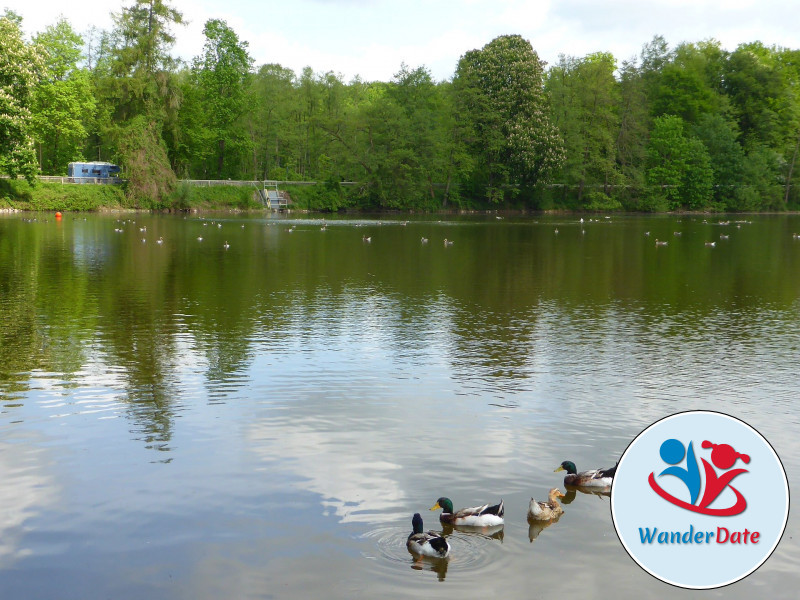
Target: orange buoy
58,215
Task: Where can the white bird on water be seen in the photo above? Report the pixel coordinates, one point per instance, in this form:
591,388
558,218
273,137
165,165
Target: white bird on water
226,245
447,242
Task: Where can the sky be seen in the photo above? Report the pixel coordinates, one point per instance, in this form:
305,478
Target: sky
372,38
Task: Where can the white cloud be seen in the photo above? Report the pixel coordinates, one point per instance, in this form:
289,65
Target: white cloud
27,490
372,38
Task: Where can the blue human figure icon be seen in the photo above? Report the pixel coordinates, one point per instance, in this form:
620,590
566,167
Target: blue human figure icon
672,453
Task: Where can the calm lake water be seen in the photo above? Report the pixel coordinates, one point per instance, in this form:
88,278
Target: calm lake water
185,421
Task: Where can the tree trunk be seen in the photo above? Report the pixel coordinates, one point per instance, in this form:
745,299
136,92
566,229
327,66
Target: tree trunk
220,158
791,168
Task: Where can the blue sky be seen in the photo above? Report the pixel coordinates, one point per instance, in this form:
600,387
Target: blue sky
371,38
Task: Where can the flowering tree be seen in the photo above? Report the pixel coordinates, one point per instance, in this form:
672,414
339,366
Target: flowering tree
63,102
500,92
21,66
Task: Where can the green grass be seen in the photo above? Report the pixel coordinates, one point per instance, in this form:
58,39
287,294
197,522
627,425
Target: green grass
44,196
19,194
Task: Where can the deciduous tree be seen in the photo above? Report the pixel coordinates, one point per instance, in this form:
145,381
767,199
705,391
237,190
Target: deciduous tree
63,103
500,89
21,68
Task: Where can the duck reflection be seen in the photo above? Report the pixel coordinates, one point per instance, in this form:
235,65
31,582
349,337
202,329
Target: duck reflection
536,527
437,565
572,492
489,532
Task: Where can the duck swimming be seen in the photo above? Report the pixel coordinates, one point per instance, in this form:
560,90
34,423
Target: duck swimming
430,544
545,511
593,478
476,516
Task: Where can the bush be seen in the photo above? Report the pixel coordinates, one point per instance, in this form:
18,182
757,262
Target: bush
598,201
186,197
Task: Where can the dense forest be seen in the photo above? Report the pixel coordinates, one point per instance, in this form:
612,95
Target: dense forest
692,127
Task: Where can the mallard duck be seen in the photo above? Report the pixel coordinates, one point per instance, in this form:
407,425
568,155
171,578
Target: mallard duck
544,511
430,544
594,478
476,516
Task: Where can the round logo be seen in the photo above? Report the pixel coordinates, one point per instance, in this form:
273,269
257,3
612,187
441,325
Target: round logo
700,499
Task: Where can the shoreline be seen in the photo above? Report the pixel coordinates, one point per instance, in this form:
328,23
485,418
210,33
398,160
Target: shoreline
384,213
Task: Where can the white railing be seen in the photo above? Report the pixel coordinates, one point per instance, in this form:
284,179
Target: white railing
84,180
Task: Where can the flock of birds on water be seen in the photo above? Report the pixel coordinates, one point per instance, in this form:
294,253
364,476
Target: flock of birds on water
430,544
367,239
660,243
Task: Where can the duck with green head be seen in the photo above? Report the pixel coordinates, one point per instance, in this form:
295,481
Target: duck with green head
593,478
476,516
421,543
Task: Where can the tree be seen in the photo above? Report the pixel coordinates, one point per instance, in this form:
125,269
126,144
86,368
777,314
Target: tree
272,92
500,90
429,126
222,73
585,101
689,85
634,123
678,168
719,136
139,94
63,102
21,67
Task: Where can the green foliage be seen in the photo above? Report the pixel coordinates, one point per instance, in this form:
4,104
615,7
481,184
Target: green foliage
585,100
138,96
693,127
499,89
187,197
598,201
63,102
327,197
688,85
678,167
220,76
146,166
726,155
761,185
21,67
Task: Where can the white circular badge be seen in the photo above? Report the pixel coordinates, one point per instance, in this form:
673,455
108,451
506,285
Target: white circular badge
700,499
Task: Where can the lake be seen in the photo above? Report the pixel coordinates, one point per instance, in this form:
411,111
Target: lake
182,420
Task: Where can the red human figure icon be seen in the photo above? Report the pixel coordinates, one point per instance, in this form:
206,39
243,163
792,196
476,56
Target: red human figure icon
724,457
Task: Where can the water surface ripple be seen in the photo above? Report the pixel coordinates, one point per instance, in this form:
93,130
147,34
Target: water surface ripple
185,420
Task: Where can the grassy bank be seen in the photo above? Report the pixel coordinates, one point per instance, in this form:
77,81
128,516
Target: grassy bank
20,195
44,196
